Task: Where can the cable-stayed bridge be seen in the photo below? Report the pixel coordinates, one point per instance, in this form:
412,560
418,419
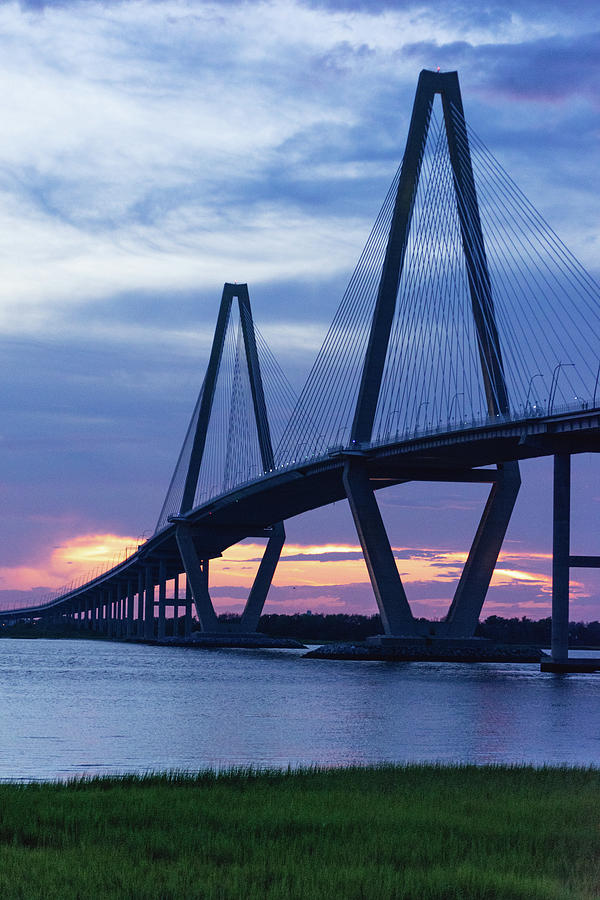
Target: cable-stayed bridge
466,340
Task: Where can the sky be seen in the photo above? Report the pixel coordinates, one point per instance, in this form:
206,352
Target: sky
152,151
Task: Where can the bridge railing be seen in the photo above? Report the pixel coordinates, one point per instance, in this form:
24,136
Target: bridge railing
523,414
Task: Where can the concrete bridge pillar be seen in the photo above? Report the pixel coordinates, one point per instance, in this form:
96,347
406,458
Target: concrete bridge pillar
115,611
162,594
140,605
560,557
110,613
175,605
130,598
188,612
120,610
149,605
395,612
463,615
196,572
263,580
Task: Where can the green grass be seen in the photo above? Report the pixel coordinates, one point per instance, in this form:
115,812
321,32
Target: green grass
387,832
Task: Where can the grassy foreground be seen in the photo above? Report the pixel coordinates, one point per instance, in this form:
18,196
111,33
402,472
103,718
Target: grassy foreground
387,832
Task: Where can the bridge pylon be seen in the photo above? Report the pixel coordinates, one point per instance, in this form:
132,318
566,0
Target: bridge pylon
468,600
197,546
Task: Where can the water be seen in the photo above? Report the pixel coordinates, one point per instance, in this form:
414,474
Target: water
82,707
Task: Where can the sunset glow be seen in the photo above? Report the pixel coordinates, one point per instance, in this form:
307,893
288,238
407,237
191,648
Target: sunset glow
321,577
77,558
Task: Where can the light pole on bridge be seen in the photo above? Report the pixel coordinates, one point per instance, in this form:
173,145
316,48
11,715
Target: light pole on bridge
554,383
424,403
456,396
531,380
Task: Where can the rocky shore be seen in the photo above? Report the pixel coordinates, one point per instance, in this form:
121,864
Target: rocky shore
422,652
226,639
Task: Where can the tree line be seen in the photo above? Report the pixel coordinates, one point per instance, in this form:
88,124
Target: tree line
343,627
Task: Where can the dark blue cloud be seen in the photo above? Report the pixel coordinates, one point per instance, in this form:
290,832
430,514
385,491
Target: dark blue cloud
548,69
466,12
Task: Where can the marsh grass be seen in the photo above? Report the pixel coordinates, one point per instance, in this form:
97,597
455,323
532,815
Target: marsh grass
384,832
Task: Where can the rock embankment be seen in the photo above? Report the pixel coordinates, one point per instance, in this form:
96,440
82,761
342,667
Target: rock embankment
501,653
227,639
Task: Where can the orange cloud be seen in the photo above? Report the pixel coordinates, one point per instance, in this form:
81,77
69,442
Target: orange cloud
506,576
319,566
76,559
238,565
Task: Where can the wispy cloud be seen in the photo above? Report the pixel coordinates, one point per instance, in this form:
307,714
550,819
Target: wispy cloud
177,144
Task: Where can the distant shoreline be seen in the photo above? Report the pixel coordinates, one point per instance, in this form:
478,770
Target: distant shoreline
318,628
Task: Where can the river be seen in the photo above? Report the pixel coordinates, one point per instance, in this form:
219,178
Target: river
77,707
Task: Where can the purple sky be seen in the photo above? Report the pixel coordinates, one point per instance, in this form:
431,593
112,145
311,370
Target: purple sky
152,151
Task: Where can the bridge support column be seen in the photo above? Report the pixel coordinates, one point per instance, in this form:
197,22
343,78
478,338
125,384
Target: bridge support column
162,593
130,597
149,605
175,605
120,610
196,572
262,582
139,629
560,557
187,622
125,610
109,613
463,615
396,614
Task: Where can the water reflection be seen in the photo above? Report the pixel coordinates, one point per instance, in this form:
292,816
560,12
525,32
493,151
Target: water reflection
82,707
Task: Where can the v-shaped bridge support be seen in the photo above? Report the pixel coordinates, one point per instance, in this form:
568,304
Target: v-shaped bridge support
190,546
466,606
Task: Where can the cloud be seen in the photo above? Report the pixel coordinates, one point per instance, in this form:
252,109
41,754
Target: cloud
306,572
546,70
163,145
326,578
75,561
